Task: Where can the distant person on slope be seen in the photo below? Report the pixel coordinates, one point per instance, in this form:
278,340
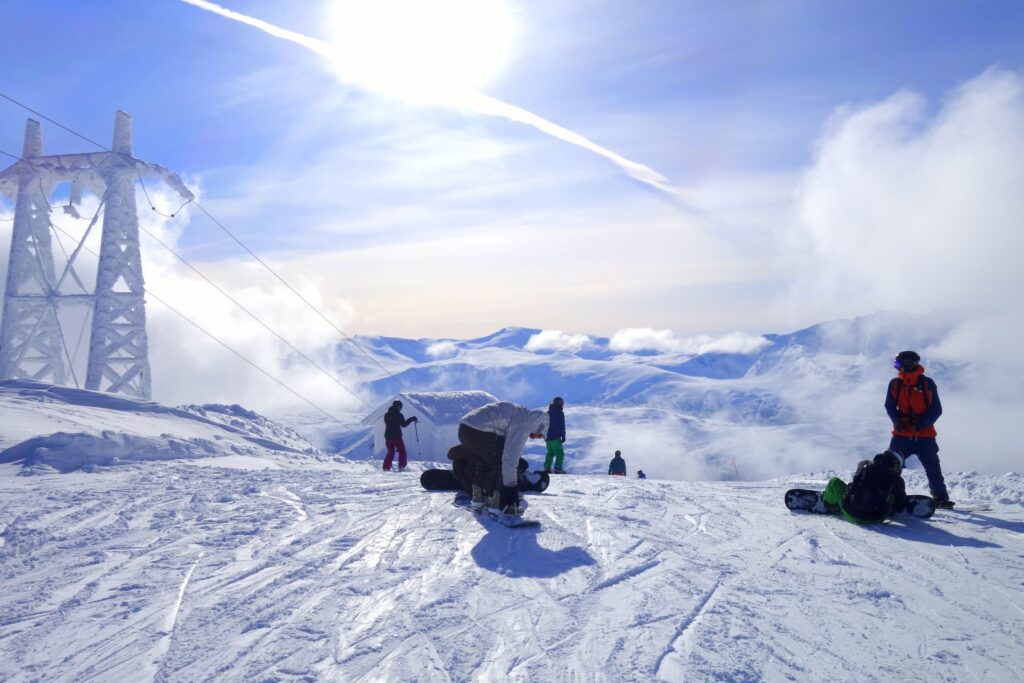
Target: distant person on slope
617,466
555,436
640,474
912,401
876,492
393,423
494,436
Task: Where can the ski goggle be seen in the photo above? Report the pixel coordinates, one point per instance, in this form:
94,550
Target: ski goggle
897,364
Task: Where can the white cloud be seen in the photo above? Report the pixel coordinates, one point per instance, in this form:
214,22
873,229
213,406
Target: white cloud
909,211
665,341
643,339
556,340
442,349
912,207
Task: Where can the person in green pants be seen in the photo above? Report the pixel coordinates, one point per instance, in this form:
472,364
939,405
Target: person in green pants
555,437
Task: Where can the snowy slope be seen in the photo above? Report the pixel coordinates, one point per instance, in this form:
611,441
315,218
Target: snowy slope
66,429
174,572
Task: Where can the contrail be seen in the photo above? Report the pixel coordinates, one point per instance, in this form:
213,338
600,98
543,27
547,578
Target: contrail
479,102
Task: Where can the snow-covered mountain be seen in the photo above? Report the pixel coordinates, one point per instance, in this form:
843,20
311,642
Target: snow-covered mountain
798,402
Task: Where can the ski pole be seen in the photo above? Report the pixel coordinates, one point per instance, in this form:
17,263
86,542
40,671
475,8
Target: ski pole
416,429
737,469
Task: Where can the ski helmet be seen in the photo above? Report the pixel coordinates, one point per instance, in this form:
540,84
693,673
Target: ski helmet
906,360
397,404
891,459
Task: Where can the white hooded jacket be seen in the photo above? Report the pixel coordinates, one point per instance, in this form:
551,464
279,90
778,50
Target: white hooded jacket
513,422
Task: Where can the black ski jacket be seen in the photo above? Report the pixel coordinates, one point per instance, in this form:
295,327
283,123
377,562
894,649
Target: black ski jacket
393,423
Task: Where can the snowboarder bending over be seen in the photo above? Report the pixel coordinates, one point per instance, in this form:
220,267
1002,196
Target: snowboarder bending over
556,436
912,401
876,492
617,466
640,474
393,423
493,436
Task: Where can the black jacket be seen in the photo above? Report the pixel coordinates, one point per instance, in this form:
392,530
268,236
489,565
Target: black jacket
393,423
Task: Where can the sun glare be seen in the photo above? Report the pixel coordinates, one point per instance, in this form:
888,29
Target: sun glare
423,50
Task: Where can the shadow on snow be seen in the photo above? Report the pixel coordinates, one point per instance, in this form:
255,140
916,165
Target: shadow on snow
517,554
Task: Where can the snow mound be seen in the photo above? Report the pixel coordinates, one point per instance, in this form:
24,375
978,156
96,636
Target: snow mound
252,423
47,428
68,452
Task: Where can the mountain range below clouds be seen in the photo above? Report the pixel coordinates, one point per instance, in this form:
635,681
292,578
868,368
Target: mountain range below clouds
802,401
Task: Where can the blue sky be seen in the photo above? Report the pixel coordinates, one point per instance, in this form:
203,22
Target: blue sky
434,221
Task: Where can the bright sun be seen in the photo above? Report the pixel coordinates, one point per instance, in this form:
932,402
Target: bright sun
423,50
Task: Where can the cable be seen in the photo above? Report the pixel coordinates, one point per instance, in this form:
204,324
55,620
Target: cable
218,224
56,123
153,206
292,289
212,284
149,292
254,317
190,321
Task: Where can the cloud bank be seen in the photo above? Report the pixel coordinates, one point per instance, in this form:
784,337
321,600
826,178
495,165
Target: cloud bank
556,340
634,339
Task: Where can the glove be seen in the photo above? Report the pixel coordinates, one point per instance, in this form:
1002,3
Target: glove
415,419
509,498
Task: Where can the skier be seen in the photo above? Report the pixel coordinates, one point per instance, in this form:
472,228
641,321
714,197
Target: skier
556,436
617,466
640,474
877,490
912,401
393,423
494,436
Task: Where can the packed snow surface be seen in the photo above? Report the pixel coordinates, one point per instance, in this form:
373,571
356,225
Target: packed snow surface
171,571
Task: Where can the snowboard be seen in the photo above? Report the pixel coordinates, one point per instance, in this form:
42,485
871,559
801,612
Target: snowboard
968,507
804,500
511,522
444,480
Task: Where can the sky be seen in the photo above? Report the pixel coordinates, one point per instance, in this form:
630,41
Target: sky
580,167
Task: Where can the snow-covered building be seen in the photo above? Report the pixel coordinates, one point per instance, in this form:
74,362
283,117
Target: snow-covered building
439,413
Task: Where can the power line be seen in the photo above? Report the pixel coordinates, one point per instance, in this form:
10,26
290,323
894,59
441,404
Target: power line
212,336
218,224
254,316
148,291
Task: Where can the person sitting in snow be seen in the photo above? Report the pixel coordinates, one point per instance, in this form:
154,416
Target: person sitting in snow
876,492
617,466
640,474
393,423
912,402
555,436
493,436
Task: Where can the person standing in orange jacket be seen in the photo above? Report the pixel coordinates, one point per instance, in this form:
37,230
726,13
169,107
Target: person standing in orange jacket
912,402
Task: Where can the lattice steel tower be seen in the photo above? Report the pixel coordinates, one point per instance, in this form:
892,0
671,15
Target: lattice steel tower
32,343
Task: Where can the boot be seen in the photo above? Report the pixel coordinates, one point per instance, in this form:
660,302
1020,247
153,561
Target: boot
476,503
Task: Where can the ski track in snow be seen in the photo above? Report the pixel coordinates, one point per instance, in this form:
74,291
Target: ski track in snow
170,572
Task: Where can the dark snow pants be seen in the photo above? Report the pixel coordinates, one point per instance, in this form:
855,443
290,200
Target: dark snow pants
484,449
927,451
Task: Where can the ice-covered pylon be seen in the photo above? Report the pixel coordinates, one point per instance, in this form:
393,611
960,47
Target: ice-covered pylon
32,344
